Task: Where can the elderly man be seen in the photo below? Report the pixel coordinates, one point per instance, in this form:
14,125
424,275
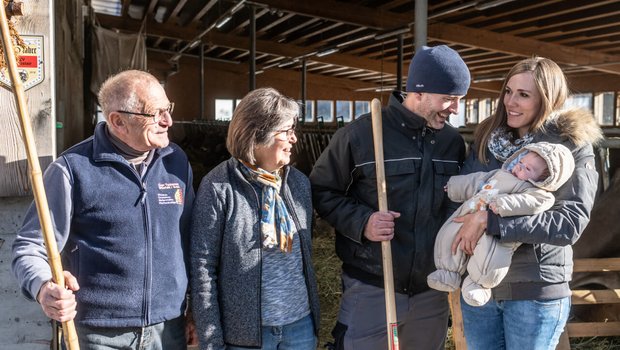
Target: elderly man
421,153
120,203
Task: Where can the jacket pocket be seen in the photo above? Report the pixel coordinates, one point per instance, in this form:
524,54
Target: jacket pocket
443,171
401,182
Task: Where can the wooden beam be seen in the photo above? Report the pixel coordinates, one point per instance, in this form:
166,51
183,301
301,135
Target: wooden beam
592,329
593,82
151,8
603,296
176,10
203,11
515,45
591,265
456,34
343,12
242,43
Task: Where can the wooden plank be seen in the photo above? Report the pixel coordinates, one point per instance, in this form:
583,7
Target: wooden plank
564,343
597,265
593,329
606,296
14,179
458,330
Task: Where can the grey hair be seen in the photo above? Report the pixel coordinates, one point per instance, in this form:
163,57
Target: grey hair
121,91
257,116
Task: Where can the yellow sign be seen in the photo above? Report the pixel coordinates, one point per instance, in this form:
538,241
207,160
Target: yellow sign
29,63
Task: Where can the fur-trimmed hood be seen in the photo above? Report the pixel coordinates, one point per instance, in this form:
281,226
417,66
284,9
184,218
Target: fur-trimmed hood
576,124
559,159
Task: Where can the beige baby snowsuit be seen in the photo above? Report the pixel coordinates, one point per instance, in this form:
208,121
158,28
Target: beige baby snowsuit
491,259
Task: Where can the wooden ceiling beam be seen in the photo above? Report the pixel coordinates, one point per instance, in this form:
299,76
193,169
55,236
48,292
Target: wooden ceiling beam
519,46
242,43
268,47
175,12
342,12
457,34
151,8
203,11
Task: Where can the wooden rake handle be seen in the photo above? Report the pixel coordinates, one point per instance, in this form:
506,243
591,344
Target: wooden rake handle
36,178
386,248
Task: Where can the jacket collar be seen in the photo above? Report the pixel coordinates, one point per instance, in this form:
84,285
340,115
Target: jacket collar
104,151
404,116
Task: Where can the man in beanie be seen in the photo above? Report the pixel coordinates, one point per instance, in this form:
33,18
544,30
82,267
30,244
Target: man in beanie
421,153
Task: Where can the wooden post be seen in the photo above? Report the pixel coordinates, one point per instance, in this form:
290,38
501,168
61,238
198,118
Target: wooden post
458,331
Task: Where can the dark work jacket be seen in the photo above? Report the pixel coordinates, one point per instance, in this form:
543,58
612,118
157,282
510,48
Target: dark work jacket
418,163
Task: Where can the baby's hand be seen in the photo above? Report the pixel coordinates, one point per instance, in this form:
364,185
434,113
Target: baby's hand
493,207
445,188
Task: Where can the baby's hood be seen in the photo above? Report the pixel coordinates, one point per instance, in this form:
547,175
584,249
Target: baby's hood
559,160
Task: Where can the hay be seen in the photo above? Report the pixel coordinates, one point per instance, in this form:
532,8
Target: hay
328,267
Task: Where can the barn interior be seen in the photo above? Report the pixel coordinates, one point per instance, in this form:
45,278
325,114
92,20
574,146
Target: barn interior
333,56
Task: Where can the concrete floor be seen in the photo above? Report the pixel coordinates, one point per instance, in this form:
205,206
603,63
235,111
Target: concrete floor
24,326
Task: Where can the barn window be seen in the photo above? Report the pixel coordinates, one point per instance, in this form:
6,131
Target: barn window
325,109
579,100
361,107
223,109
343,109
604,108
458,120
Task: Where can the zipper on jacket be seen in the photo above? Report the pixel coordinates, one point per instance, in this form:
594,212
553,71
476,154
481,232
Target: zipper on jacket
260,267
146,305
147,242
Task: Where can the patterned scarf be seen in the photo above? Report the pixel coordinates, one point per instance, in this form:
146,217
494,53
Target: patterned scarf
503,144
274,216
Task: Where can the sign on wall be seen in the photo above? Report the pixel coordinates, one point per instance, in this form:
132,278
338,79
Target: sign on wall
29,63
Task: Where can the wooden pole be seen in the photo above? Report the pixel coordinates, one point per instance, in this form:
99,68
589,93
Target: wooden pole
386,247
35,175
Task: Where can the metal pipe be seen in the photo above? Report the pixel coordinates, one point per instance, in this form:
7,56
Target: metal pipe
202,82
421,23
252,59
304,72
399,63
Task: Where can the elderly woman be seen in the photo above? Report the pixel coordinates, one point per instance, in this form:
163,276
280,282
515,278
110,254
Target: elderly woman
252,280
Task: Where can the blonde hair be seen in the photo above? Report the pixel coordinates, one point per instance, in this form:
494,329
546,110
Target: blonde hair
257,116
552,87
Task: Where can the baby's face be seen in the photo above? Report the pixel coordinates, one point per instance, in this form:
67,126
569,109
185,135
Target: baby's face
530,167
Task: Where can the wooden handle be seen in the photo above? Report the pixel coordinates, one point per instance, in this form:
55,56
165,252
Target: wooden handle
386,248
35,175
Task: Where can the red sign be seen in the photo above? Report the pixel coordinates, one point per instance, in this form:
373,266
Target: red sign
28,62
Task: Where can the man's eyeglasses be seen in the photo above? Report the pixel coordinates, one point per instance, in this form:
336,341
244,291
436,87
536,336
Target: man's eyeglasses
289,132
157,116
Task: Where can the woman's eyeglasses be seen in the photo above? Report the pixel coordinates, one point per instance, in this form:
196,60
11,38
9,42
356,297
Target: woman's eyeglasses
157,116
289,132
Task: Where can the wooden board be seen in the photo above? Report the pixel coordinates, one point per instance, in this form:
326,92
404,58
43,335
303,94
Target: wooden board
13,164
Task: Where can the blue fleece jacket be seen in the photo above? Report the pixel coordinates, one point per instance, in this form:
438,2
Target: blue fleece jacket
122,235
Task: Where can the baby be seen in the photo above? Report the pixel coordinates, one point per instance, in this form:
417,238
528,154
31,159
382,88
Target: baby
522,186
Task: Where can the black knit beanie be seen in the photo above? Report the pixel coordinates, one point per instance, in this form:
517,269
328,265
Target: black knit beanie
438,70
